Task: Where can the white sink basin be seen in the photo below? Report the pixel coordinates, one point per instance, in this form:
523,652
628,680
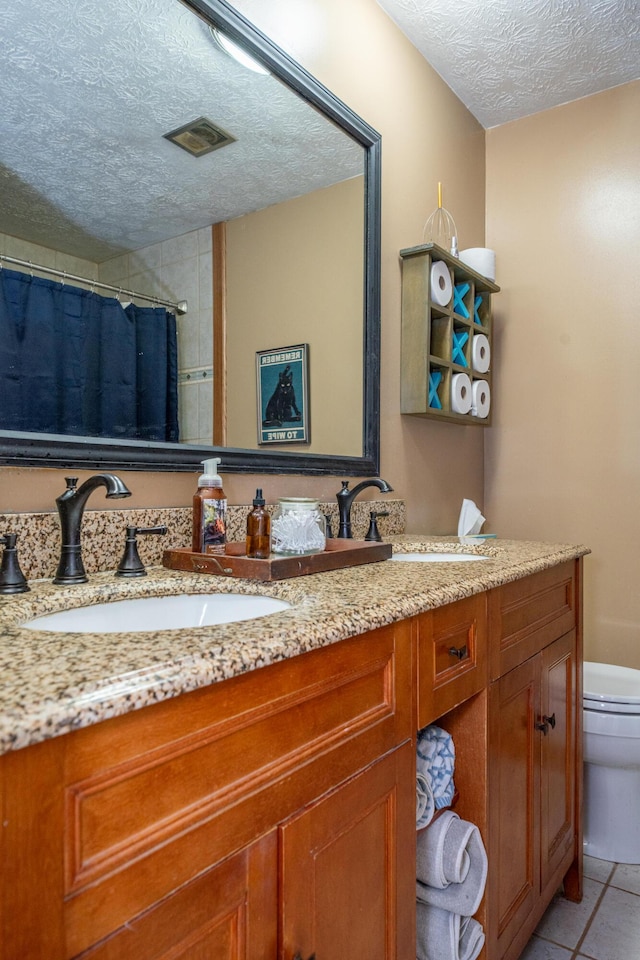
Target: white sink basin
438,557
159,613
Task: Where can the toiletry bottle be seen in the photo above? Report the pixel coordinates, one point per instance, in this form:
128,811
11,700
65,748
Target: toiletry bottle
209,511
258,529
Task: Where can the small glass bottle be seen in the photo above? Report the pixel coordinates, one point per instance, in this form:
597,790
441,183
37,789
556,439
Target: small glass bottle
258,529
298,527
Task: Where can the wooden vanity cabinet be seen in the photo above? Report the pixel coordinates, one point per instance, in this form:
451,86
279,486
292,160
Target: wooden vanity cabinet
264,817
512,704
315,877
534,756
272,816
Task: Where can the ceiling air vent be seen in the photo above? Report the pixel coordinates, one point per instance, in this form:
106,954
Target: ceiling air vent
199,137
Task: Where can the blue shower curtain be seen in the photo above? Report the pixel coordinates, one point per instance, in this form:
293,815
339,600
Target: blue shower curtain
75,363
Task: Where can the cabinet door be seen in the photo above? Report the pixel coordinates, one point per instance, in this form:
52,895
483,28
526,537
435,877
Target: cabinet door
228,913
514,803
348,868
557,814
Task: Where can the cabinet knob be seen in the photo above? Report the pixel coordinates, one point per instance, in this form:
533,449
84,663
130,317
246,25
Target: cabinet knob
545,723
298,956
459,652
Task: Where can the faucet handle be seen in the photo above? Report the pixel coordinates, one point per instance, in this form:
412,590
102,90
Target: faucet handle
373,533
131,565
12,579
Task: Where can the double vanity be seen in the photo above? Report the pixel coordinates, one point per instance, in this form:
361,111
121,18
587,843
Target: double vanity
247,789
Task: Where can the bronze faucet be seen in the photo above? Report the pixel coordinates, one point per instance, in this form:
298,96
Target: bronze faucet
71,506
346,497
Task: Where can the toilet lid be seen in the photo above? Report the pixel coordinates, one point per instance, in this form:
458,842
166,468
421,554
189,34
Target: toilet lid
608,683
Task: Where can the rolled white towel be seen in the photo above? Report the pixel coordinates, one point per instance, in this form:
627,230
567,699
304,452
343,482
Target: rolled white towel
471,938
446,936
451,865
442,856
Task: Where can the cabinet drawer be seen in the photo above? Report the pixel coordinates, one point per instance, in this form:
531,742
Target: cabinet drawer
156,797
452,656
527,615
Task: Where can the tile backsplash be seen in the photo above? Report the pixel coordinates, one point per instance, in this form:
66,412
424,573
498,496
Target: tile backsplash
104,531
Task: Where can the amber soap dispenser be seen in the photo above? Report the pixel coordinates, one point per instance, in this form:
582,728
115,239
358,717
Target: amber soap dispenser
209,511
258,529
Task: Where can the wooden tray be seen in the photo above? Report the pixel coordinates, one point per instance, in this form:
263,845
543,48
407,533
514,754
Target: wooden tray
235,563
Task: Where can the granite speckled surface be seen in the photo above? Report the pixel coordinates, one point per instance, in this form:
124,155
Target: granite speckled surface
103,531
53,683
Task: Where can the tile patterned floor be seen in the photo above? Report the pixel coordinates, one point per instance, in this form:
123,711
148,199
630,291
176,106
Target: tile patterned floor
605,926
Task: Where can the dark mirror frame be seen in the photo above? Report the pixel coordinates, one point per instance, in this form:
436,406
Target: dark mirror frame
21,449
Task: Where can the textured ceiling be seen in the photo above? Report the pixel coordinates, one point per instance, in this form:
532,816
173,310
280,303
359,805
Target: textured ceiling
506,59
89,87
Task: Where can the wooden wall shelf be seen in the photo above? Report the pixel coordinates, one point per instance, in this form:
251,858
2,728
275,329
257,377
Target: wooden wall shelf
437,341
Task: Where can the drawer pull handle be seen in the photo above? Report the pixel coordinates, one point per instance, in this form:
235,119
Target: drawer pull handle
545,723
298,956
459,652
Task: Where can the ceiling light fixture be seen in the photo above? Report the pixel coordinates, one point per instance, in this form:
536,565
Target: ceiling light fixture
238,53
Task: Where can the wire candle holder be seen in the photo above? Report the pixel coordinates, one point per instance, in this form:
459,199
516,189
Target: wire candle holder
440,228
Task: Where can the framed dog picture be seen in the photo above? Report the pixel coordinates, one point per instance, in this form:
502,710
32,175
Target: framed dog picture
283,394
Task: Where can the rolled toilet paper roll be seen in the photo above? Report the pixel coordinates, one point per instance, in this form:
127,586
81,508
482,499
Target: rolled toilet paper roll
480,259
480,399
441,288
460,393
480,353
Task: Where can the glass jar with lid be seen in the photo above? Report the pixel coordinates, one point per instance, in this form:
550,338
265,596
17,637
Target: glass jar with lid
298,527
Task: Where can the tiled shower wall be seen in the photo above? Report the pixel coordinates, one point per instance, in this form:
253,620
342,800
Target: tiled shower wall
180,269
34,253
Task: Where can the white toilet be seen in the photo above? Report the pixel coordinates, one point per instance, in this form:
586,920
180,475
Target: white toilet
612,762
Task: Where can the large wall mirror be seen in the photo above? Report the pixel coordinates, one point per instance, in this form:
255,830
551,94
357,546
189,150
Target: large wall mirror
263,216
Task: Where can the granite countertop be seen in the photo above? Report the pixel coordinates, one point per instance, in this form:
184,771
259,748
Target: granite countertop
53,683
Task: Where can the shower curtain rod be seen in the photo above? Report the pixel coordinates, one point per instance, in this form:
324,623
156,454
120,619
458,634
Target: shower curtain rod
180,307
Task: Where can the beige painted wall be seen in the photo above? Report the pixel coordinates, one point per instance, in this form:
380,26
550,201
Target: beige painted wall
427,136
306,287
563,456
